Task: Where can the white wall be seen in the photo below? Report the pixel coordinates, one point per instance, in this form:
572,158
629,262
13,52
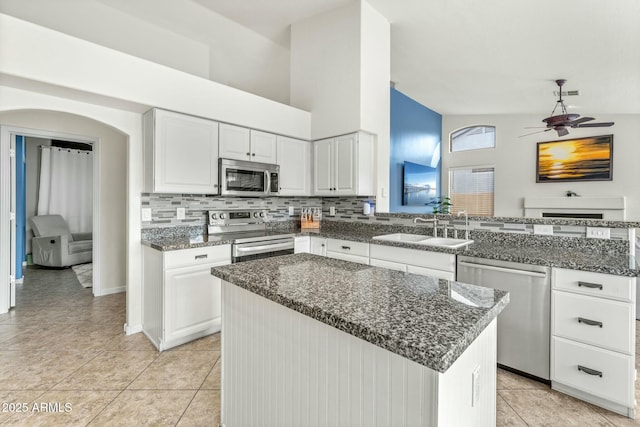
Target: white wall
113,189
515,160
95,21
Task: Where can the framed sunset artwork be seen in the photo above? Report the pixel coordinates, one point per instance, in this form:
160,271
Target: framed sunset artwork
581,159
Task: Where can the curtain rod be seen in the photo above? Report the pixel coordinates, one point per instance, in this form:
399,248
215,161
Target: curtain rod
61,149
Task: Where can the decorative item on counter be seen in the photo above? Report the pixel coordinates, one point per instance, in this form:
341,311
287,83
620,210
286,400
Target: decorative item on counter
442,205
366,208
310,218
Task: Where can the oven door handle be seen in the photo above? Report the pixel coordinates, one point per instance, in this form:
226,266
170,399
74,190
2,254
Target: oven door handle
249,250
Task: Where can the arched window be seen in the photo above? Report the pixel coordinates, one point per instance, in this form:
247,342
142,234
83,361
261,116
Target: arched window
473,138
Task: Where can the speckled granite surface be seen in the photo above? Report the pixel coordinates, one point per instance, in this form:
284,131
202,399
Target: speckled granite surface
173,243
427,320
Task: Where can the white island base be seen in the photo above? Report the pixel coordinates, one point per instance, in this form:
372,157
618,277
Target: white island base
282,368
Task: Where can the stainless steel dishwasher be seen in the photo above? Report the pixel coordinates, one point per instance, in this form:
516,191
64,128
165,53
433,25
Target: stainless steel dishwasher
524,325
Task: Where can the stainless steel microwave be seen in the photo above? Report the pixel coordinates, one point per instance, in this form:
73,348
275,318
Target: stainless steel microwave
241,178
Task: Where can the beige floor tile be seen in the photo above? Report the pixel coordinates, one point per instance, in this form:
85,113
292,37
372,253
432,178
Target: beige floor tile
15,402
177,370
110,370
506,416
212,382
145,407
507,380
131,342
39,370
55,408
204,410
551,408
208,343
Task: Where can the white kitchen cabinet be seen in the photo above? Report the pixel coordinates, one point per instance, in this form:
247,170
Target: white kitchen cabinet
593,338
180,153
319,246
302,244
240,143
348,251
181,299
424,263
344,165
294,158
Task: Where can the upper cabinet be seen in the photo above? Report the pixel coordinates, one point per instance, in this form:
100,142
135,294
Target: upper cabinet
294,158
180,153
241,143
344,165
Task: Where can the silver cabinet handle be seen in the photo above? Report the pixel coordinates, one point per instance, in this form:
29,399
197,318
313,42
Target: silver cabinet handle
346,248
589,371
589,322
502,269
201,256
590,285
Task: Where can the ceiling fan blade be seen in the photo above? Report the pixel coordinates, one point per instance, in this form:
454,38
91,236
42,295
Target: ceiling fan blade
594,125
535,127
533,133
581,120
562,131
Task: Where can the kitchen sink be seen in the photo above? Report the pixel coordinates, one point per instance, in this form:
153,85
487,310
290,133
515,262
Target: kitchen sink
402,237
446,242
421,239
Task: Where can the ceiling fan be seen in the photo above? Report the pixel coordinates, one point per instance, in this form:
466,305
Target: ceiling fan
561,122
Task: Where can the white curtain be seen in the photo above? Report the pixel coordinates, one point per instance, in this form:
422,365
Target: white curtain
66,186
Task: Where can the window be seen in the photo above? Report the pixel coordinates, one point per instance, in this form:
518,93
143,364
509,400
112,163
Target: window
473,138
471,190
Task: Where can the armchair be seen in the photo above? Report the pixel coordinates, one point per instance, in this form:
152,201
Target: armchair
55,246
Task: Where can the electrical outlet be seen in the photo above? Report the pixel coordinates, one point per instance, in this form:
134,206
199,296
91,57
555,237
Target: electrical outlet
291,210
475,386
598,232
146,214
181,213
332,211
543,229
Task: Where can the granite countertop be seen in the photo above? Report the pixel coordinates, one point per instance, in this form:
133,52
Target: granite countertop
173,243
427,320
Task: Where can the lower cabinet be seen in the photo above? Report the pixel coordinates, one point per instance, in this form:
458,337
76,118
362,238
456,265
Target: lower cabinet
318,246
348,251
593,338
181,299
425,263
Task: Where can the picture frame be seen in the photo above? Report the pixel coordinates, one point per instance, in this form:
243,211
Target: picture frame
420,184
575,160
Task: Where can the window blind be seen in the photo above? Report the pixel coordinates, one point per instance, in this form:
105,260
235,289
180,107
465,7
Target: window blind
471,190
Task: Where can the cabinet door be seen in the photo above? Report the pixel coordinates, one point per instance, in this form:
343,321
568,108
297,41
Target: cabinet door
318,246
323,167
235,142
345,165
192,301
186,154
294,158
263,147
302,244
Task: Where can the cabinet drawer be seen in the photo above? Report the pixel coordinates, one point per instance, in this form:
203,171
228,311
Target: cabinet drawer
422,271
348,257
574,315
388,264
348,247
597,284
416,257
569,360
197,256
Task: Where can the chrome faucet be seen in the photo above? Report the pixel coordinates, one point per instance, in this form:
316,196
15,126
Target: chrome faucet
434,220
466,224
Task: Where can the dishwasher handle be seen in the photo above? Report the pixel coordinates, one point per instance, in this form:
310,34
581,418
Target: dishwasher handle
502,269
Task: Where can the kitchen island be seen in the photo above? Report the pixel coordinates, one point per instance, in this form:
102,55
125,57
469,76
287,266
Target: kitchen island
309,340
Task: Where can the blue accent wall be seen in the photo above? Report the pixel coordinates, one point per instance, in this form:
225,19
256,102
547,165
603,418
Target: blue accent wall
416,136
21,204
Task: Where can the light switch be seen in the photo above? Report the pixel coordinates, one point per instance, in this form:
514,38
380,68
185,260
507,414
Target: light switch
146,214
332,211
543,229
181,213
291,211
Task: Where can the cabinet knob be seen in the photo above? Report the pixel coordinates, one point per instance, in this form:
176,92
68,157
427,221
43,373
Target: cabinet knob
253,154
248,154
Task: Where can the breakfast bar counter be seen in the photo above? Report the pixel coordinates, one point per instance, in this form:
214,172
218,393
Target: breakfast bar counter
311,340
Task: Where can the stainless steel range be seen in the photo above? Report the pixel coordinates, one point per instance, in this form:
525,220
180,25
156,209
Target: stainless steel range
248,231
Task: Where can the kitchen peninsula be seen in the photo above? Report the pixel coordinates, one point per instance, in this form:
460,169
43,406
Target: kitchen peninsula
309,340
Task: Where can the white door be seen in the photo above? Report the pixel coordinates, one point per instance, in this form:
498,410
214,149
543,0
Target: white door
187,154
235,142
12,225
345,165
192,301
263,147
294,158
323,167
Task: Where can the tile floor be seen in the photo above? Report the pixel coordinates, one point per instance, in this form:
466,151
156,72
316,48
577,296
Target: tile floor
62,346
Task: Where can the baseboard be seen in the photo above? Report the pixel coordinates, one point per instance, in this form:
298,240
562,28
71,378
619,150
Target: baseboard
110,291
595,400
130,330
